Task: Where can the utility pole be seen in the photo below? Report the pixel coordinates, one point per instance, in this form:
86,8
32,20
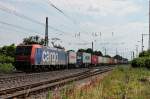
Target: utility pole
105,51
149,30
116,51
133,54
149,27
142,42
46,32
92,45
136,50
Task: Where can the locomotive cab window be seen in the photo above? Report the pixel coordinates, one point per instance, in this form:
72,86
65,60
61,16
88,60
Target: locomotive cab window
23,50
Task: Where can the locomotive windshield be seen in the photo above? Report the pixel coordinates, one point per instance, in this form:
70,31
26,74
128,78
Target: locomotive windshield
23,50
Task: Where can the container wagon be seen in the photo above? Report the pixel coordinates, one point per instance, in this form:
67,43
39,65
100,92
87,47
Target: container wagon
94,61
100,60
72,59
83,59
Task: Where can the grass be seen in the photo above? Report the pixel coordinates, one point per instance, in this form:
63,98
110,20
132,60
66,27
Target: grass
124,82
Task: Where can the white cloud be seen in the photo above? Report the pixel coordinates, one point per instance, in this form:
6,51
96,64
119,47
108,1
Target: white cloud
4,5
129,33
33,1
104,16
99,7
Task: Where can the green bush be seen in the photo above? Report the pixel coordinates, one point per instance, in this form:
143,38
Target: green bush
141,62
6,68
134,63
145,54
8,50
147,62
6,59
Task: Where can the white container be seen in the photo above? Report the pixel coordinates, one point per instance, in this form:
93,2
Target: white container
100,59
72,57
115,61
105,60
86,57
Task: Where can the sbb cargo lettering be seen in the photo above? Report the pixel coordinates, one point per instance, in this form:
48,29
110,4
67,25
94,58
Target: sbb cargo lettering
49,56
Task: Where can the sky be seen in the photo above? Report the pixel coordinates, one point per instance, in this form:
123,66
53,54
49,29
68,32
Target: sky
114,25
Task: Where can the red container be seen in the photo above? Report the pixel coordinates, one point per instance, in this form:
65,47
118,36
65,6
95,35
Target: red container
94,59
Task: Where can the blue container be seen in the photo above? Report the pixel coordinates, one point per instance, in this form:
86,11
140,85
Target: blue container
50,56
79,58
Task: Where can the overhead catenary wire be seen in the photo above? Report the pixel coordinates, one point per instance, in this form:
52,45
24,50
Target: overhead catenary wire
14,12
23,30
83,30
61,11
16,26
16,29
22,16
12,29
8,10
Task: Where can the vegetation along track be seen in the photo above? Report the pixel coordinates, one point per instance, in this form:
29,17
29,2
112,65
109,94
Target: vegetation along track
25,90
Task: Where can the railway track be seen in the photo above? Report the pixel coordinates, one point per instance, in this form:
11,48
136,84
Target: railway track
13,81
26,90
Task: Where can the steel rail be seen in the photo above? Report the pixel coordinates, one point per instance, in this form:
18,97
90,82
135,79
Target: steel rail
24,91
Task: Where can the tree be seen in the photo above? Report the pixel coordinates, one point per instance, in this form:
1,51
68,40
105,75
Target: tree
118,57
33,40
98,53
145,54
81,50
89,50
8,50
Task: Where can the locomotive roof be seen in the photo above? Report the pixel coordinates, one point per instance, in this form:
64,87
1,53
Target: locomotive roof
43,46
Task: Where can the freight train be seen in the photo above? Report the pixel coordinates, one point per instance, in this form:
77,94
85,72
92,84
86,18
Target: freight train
37,57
